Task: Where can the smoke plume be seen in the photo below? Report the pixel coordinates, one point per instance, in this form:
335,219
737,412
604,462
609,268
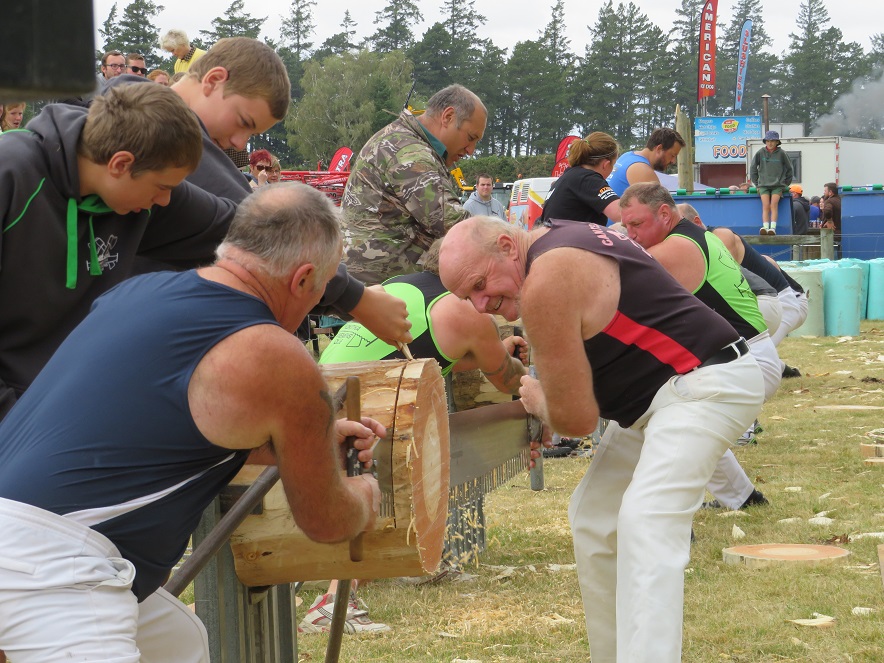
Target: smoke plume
858,113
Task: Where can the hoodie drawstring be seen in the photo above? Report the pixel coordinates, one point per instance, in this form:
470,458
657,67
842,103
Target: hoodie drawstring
91,205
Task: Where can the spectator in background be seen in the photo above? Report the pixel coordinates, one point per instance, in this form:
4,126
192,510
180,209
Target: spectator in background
660,152
830,212
815,212
771,172
260,163
160,76
800,210
177,76
481,202
275,170
11,116
177,43
135,64
113,63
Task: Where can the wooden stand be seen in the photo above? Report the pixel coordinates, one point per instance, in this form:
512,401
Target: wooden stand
407,397
774,554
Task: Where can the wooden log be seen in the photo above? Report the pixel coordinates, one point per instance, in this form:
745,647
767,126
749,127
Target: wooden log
874,462
871,450
775,554
408,397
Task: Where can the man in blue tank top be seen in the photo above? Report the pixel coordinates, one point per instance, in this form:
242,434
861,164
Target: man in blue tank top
614,335
659,153
146,411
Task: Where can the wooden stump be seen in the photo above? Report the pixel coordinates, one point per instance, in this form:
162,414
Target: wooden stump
871,450
408,397
775,554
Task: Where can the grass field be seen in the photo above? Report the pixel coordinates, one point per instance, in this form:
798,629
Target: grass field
522,602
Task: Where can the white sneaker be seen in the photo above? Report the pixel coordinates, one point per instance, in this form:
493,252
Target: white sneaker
319,617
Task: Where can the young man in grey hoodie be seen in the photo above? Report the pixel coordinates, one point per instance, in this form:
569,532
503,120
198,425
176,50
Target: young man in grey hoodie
481,202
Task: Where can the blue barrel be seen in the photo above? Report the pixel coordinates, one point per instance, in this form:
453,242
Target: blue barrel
875,308
862,216
842,287
811,279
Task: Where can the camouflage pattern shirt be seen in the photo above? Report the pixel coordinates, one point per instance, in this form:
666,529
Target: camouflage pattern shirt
398,200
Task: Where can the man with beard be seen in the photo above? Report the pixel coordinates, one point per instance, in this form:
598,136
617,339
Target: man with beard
659,153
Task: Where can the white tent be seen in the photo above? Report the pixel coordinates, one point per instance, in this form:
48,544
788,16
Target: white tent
671,182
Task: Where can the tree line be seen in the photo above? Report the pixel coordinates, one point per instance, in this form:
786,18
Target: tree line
627,81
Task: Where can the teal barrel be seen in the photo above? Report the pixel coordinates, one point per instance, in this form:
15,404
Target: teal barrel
875,308
864,287
811,279
842,286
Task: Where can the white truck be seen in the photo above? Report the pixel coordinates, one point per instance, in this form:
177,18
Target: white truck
817,160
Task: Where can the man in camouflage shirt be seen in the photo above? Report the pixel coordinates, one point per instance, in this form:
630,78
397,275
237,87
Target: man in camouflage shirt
400,196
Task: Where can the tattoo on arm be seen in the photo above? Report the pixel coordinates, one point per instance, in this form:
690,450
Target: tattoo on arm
510,371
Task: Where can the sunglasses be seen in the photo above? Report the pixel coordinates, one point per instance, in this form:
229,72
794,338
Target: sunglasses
261,167
138,70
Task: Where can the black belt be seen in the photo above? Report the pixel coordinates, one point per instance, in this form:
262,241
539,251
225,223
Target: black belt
728,353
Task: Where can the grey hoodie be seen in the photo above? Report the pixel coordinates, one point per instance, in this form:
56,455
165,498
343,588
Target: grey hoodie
478,207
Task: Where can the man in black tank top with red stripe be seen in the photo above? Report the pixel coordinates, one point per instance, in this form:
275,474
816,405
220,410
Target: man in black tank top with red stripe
615,336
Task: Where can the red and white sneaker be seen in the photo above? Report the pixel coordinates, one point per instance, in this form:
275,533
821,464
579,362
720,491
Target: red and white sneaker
319,617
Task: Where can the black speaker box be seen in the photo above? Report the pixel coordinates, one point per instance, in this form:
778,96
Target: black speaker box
47,49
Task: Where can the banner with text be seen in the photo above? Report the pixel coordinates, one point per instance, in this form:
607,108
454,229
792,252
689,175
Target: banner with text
706,63
742,63
723,139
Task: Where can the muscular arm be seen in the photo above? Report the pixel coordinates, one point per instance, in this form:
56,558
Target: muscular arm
473,338
641,172
683,259
732,243
570,296
260,386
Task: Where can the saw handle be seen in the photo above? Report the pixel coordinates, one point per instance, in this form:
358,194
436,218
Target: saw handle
354,468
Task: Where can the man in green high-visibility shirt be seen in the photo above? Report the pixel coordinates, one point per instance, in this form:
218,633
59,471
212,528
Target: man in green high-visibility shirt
446,329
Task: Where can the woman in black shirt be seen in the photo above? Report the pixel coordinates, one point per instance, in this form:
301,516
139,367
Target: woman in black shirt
582,192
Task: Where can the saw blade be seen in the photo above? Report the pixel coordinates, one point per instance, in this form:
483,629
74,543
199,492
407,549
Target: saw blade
489,444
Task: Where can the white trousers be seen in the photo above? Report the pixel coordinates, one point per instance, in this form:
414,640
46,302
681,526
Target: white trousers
65,595
631,514
794,306
771,310
730,484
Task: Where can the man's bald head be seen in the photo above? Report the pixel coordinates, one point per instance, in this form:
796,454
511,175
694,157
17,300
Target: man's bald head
688,212
470,238
480,260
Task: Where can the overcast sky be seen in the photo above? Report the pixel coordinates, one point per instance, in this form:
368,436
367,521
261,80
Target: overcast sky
509,21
